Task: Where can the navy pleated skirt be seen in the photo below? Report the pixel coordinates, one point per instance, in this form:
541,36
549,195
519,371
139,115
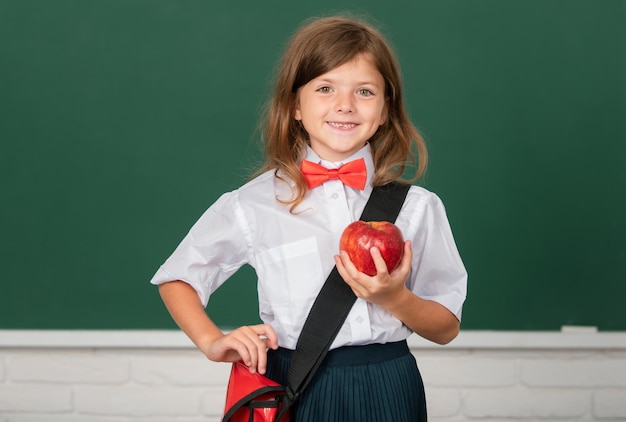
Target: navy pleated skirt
377,382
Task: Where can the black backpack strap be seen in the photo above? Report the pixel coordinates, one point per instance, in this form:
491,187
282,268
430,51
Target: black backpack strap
336,298
385,202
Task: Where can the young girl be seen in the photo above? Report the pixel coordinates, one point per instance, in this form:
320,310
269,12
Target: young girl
337,101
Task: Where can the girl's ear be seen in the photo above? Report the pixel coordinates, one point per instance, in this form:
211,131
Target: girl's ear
297,114
383,115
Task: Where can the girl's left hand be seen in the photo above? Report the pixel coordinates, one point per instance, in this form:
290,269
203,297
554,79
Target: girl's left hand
384,289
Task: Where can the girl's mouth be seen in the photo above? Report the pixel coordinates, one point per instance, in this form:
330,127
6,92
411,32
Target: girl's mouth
340,125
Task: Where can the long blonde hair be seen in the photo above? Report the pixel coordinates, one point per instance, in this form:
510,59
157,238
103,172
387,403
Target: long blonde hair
317,47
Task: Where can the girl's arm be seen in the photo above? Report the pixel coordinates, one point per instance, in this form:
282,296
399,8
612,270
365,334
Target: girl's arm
248,343
427,318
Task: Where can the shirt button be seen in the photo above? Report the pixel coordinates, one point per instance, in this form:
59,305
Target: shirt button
334,196
359,319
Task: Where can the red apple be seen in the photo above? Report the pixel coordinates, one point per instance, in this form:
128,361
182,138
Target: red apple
359,237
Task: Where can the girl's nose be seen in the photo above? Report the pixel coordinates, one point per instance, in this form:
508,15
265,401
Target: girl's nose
344,103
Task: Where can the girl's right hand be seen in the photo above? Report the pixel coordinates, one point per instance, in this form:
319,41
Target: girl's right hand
248,344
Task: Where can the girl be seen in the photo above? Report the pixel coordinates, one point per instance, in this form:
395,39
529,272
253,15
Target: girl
337,101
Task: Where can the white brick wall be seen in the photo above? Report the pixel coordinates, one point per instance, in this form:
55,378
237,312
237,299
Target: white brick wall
123,377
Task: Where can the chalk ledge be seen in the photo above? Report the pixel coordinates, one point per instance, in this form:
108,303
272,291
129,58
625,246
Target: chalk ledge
173,339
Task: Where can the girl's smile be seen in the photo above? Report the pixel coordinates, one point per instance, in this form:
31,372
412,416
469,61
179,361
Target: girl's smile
342,125
343,108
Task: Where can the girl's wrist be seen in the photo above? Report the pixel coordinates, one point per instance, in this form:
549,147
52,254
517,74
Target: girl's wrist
205,342
400,301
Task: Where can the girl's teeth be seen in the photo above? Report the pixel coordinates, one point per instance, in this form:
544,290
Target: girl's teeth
342,125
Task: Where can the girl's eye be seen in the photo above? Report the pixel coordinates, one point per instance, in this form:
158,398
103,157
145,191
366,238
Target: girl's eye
324,89
365,92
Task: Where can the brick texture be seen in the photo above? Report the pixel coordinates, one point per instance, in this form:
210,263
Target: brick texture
181,385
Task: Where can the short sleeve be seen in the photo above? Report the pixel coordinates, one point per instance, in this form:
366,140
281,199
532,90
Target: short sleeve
213,250
438,272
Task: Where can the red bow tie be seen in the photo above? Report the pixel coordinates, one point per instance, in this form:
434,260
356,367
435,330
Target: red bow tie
352,174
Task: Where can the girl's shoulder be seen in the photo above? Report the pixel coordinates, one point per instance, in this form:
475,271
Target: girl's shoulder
420,197
266,186
254,187
420,193
261,179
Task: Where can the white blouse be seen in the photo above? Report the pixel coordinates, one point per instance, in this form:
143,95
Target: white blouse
293,253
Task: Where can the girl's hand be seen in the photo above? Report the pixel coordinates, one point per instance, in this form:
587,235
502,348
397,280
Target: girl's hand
384,289
248,344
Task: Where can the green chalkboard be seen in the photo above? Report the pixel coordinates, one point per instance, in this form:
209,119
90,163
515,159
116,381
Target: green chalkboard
122,121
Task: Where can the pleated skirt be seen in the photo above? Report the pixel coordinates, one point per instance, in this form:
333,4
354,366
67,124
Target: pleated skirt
373,383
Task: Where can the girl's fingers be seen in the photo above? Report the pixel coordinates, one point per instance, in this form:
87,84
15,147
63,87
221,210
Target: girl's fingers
379,262
346,263
349,273
267,334
405,263
251,343
267,338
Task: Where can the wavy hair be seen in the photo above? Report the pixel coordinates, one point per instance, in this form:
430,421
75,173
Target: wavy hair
319,46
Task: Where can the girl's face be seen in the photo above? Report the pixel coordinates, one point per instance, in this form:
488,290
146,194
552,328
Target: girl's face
342,109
